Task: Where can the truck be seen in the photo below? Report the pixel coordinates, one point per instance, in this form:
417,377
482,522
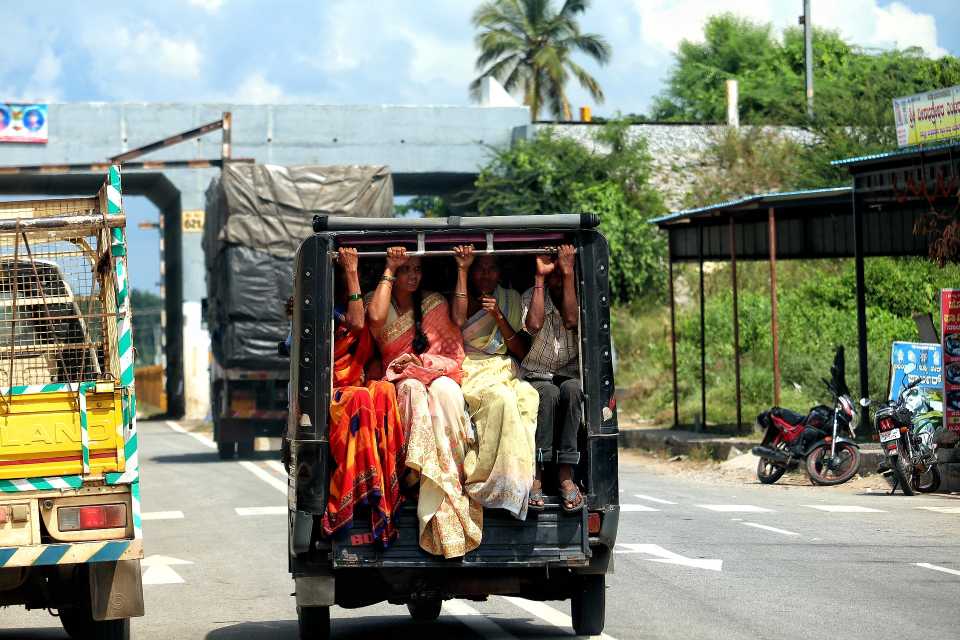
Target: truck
255,218
70,528
550,555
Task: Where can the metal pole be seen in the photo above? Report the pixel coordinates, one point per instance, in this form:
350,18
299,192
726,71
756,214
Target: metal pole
736,320
774,320
703,342
673,340
808,55
226,143
861,298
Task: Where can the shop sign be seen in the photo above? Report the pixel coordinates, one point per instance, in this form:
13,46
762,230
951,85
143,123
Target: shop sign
192,221
23,122
927,117
924,360
950,330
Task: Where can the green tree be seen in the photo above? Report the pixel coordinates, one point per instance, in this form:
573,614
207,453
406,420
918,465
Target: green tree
550,174
528,44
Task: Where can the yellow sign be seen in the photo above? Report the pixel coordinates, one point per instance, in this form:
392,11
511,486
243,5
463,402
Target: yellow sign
192,221
927,117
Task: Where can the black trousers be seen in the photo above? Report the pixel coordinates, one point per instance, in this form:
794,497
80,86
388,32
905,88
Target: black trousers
558,419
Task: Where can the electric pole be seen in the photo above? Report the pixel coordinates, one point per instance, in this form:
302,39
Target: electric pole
808,54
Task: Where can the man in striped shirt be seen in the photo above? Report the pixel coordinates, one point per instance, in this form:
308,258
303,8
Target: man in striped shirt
552,366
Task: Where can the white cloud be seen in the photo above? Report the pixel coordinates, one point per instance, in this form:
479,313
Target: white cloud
257,89
43,84
436,59
148,50
210,6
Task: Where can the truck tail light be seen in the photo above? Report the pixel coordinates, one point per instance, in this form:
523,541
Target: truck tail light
100,516
593,522
14,513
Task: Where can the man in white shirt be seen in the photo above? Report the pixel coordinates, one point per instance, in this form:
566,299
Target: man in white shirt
552,365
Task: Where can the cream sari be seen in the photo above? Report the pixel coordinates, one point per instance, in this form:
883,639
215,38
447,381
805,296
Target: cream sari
504,410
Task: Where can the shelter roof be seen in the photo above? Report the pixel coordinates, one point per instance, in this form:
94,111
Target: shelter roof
898,155
763,201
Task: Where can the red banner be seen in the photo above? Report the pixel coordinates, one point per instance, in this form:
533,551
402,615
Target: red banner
950,330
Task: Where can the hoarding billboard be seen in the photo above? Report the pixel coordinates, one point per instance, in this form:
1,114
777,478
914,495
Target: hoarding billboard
927,117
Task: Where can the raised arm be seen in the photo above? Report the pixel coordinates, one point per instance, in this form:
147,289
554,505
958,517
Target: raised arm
534,320
458,306
516,345
379,305
570,311
347,257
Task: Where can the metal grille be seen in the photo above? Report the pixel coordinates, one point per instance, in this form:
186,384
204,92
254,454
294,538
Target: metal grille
56,306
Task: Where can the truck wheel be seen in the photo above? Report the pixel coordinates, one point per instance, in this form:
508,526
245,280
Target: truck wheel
245,449
425,610
588,606
79,625
314,623
226,450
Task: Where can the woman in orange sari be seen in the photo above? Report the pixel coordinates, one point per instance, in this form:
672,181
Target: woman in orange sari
366,435
422,352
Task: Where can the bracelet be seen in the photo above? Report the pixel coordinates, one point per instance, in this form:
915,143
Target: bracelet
459,294
390,279
354,297
538,286
511,337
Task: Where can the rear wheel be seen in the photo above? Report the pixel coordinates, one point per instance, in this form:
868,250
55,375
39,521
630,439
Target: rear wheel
425,610
927,482
226,450
900,474
768,471
314,623
588,606
841,467
245,449
80,626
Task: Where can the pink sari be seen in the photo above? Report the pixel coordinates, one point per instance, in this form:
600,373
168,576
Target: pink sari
439,434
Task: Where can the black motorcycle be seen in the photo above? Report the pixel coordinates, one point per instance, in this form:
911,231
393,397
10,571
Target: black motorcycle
815,440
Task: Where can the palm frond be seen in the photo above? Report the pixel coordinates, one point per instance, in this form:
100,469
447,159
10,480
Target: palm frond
587,81
573,7
595,46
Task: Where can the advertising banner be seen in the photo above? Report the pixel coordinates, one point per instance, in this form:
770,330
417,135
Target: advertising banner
927,117
950,330
927,361
23,122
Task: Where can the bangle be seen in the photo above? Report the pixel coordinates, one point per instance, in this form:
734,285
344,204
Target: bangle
354,297
390,279
511,337
538,286
459,294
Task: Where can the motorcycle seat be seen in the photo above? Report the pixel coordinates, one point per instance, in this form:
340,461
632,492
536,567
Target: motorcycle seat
790,417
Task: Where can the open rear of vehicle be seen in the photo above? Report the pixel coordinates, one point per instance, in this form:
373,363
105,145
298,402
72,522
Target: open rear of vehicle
69,483
552,555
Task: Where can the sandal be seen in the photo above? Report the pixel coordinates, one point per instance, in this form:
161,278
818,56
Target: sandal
573,498
536,502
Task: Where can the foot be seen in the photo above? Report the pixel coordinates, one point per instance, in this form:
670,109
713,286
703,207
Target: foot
572,498
536,495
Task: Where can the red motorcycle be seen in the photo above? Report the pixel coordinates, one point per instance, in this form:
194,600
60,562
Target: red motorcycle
814,439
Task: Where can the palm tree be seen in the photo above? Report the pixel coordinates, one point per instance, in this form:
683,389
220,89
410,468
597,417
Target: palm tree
527,44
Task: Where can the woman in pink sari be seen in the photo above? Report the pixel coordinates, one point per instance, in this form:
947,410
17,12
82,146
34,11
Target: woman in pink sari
422,352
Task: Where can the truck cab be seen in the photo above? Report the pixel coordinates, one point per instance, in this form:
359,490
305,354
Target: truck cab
550,555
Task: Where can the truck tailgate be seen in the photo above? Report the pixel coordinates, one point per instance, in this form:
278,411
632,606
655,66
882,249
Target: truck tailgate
41,435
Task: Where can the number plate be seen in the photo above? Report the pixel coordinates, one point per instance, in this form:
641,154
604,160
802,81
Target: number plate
887,436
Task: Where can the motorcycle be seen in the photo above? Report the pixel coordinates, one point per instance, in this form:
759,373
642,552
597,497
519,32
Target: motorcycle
907,428
815,440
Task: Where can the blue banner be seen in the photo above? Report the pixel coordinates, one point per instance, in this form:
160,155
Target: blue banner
23,122
927,361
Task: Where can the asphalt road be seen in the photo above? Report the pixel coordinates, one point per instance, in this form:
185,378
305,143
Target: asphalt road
695,560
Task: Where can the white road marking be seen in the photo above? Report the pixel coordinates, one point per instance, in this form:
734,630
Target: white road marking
767,528
941,509
157,570
277,466
264,475
199,437
548,614
669,557
162,515
261,511
927,565
735,508
843,508
636,507
473,619
652,499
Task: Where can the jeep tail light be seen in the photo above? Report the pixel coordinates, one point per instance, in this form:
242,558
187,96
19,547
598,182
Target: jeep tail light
100,516
593,522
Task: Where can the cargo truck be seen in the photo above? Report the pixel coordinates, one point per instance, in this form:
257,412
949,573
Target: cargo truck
256,216
70,532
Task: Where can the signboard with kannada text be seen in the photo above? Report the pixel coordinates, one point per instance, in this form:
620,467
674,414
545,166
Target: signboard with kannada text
950,332
927,364
21,122
927,117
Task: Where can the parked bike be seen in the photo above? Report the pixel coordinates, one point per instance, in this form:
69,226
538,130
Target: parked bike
907,428
815,440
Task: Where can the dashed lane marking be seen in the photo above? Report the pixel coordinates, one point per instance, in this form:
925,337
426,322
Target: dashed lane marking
261,511
942,509
624,508
162,515
477,622
927,565
548,614
265,475
735,508
843,508
652,499
768,528
199,437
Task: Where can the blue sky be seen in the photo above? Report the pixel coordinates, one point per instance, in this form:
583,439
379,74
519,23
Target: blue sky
368,51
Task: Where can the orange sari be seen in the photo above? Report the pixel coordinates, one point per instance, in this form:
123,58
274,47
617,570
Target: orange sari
366,441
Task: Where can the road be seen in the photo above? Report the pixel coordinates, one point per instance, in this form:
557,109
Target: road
694,560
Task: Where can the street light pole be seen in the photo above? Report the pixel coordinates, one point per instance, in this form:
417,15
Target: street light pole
808,54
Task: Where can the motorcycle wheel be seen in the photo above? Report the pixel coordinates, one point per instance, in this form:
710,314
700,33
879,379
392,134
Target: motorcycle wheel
821,473
768,471
927,482
900,471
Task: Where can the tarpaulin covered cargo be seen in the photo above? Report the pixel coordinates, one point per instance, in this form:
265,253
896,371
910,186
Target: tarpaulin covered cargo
256,217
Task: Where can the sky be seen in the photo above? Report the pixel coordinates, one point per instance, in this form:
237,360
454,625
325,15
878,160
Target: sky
368,51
